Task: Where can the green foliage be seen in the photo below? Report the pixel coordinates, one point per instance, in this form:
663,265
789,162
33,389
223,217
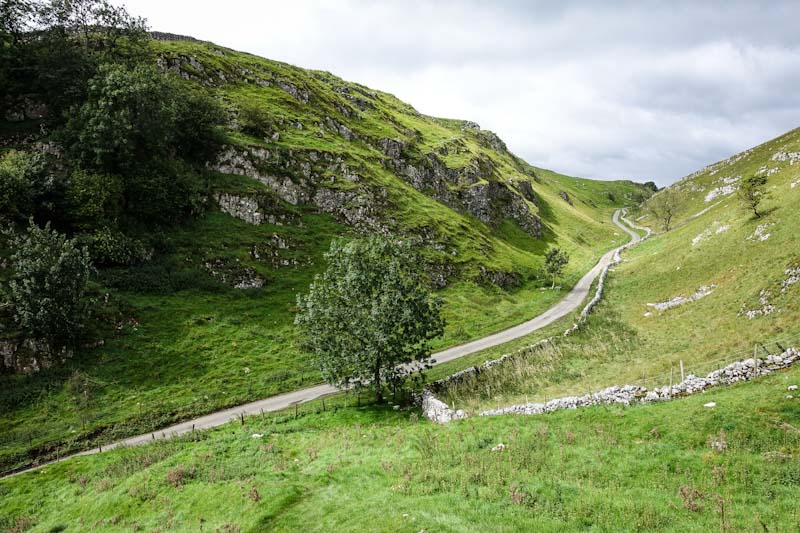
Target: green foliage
665,205
254,119
128,118
368,313
48,289
554,262
149,128
54,47
752,191
95,199
108,247
21,183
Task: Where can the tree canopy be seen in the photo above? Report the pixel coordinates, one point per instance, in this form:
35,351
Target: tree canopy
369,318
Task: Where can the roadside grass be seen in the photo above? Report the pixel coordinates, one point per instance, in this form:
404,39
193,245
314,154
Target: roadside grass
675,466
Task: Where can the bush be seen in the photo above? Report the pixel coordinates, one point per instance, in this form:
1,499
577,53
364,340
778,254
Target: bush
254,120
95,200
108,247
21,183
48,288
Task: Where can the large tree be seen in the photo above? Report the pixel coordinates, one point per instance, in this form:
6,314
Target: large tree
369,318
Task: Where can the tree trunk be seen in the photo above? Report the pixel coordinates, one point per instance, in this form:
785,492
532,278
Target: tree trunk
377,382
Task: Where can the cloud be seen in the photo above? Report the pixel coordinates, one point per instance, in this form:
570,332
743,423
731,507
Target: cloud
644,90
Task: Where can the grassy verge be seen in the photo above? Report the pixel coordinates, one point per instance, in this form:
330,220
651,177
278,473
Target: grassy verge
676,466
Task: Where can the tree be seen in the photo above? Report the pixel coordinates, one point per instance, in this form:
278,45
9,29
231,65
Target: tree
51,48
48,288
151,129
752,191
554,262
664,205
369,317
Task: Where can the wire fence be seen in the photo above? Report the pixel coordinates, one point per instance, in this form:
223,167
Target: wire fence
679,370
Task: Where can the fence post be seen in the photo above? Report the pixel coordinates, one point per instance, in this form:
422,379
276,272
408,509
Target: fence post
683,377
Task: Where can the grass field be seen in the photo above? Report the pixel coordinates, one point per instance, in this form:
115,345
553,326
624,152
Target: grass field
676,466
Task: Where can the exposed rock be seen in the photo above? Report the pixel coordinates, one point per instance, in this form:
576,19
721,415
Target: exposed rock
701,292
729,185
760,233
341,129
391,147
251,164
792,276
354,209
491,139
437,411
293,90
30,355
526,189
766,307
472,190
240,207
792,157
565,197
500,278
233,274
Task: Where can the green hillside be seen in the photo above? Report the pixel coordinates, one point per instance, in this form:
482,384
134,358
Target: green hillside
673,466
205,319
749,267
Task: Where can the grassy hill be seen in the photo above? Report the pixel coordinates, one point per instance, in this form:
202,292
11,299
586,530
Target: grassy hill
207,322
671,466
747,265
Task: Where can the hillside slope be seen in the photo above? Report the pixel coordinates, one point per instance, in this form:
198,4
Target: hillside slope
207,321
720,286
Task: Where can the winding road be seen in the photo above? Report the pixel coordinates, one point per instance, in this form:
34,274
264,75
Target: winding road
563,307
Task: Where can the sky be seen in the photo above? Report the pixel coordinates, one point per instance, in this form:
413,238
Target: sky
607,90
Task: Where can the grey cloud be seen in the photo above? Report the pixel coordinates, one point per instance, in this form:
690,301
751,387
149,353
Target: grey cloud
647,90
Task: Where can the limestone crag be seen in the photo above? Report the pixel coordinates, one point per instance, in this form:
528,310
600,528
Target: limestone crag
471,190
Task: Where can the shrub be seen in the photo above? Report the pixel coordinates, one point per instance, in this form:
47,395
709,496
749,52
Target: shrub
21,182
95,199
254,120
48,288
108,247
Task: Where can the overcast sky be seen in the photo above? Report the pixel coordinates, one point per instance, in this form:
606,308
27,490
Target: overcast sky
642,90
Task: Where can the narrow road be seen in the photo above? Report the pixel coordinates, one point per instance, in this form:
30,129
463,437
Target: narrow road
566,305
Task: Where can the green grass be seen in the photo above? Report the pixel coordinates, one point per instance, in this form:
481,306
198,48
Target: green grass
370,468
626,341
179,342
